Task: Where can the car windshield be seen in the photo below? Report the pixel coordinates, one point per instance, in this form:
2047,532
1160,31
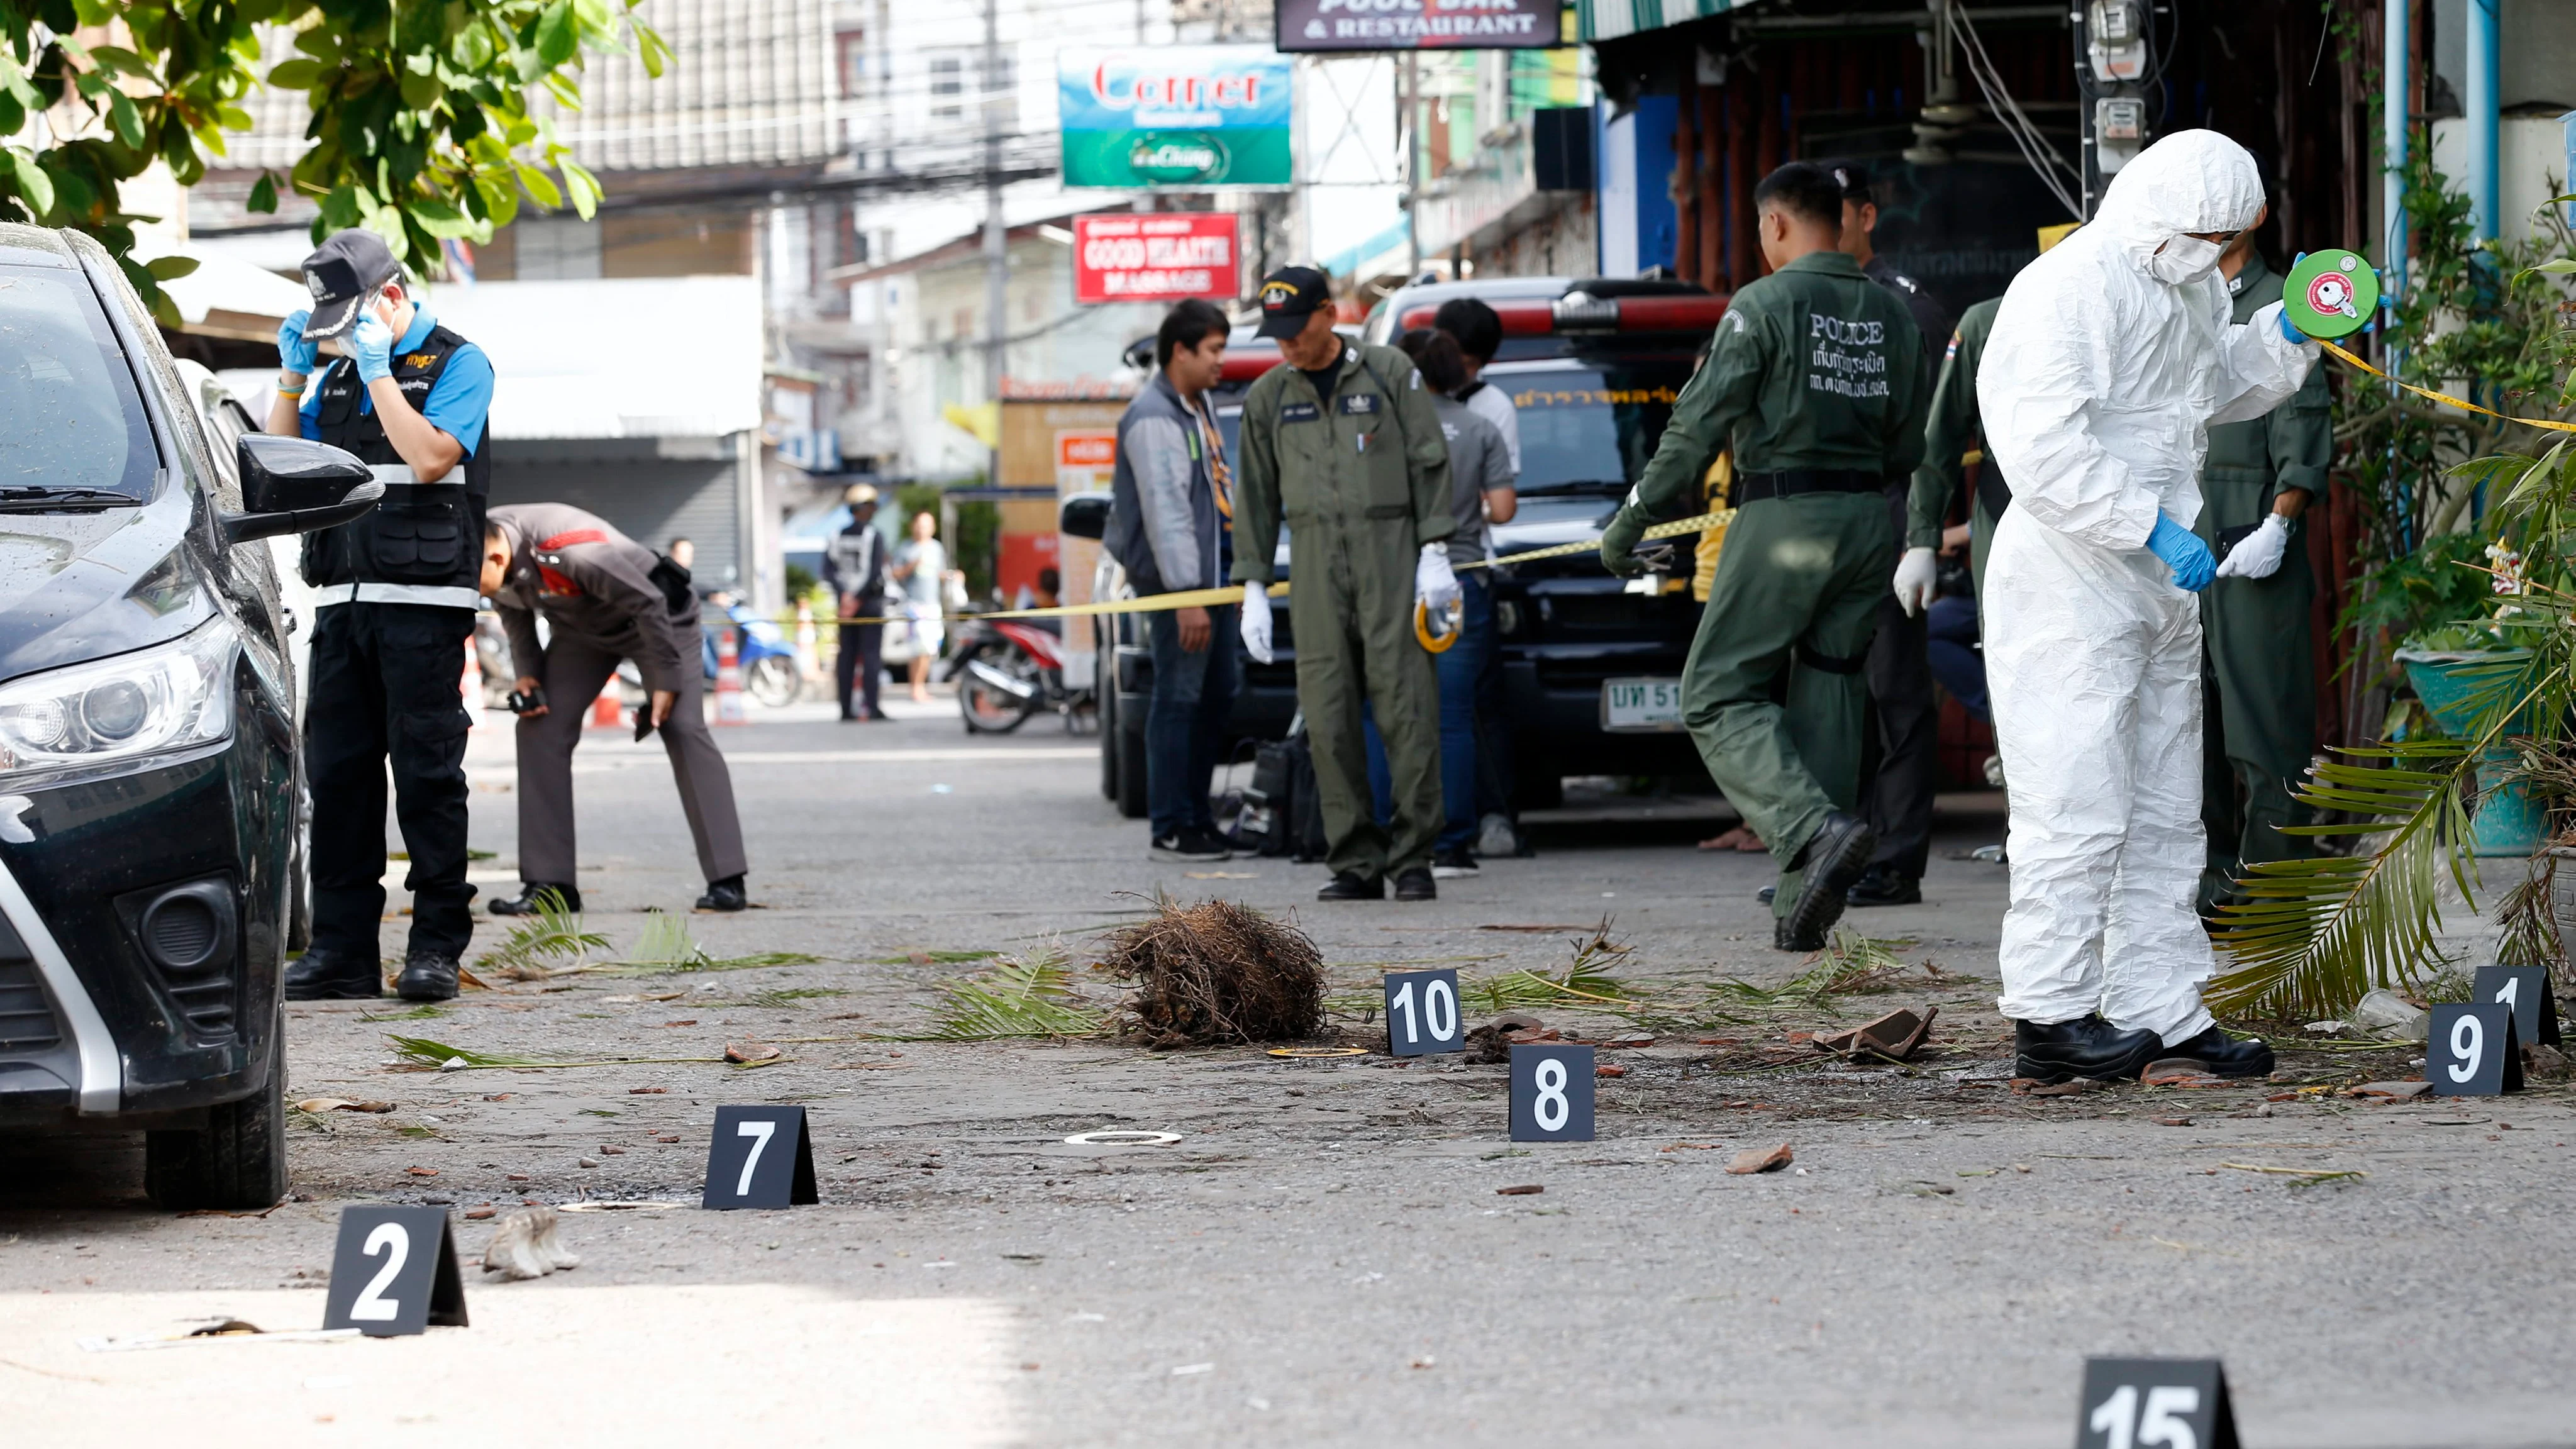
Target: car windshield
1588,425
69,414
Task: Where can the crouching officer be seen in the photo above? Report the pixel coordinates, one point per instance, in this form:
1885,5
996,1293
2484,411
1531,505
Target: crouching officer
1816,379
395,597
1342,443
605,598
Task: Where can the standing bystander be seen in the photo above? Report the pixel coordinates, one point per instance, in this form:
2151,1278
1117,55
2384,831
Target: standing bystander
1171,527
921,566
854,568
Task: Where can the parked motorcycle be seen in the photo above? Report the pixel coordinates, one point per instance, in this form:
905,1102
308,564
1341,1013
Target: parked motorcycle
766,656
1007,670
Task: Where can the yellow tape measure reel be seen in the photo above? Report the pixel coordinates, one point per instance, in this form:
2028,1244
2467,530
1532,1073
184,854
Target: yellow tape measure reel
1454,616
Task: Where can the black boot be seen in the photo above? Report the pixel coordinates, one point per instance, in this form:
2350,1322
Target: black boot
2085,1047
725,895
332,976
1883,885
1832,860
1416,884
535,896
427,976
1352,886
2216,1052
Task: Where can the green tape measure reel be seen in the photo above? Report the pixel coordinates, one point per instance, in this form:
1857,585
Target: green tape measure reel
2330,294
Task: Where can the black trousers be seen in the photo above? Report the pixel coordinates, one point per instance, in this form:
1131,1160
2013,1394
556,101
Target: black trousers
1899,792
859,667
385,683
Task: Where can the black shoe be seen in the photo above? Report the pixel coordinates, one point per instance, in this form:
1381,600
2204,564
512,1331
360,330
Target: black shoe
1451,864
427,976
329,976
1881,886
1348,886
2222,1055
1189,844
1415,884
2085,1047
724,895
1833,860
535,896
1767,894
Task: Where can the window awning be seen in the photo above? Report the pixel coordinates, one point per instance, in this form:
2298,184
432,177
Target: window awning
1610,19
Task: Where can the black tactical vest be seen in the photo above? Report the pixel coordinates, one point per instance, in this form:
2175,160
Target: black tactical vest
422,533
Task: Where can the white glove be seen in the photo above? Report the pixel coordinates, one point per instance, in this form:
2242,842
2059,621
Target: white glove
1432,581
2258,554
1916,576
1256,621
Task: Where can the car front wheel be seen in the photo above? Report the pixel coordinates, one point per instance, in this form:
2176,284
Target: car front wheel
237,1161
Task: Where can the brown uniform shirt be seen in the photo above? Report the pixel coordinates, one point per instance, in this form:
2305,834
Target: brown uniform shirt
594,582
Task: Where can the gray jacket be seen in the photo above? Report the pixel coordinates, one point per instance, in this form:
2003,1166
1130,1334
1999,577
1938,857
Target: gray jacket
1163,522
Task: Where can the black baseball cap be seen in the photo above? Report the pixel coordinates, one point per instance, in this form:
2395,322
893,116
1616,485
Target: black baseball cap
1289,296
342,273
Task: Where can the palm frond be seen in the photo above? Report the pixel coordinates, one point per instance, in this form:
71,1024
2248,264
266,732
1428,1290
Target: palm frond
1018,998
552,934
2312,936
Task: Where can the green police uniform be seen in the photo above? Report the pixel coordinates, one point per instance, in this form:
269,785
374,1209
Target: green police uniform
1362,479
1816,379
1954,428
2262,730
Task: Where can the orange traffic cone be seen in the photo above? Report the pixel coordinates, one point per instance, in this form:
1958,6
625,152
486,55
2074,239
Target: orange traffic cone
472,687
729,709
607,712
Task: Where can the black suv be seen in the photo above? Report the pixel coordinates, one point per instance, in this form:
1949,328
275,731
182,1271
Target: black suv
149,765
1591,663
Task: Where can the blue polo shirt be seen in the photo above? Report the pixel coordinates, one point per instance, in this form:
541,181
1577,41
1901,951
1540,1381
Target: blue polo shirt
458,402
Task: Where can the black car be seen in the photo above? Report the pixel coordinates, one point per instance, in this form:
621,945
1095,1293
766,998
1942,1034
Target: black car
1590,663
149,764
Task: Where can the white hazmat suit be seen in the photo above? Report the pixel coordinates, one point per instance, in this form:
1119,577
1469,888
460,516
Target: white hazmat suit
2112,355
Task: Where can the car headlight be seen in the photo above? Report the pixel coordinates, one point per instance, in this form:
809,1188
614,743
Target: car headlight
106,718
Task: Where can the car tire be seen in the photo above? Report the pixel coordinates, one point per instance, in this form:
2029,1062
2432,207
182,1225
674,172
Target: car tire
1131,769
237,1161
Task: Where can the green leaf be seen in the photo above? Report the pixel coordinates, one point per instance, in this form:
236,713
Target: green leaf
651,49
420,92
2556,267
263,194
127,121
296,75
583,186
539,185
33,184
118,58
170,269
556,37
442,220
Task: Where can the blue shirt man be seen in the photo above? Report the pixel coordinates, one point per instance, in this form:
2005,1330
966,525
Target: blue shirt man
458,404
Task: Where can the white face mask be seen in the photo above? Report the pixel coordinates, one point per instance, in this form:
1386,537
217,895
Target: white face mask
2184,259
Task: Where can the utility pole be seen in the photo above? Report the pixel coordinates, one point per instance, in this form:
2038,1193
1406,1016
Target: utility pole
997,277
1408,113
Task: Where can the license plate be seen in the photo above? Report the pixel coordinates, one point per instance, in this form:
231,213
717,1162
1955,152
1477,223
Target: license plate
1641,706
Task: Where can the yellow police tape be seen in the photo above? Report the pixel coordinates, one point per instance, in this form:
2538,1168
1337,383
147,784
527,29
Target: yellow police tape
2443,397
1211,598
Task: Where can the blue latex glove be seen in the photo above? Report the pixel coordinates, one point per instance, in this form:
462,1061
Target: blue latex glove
2184,553
371,343
2290,330
294,354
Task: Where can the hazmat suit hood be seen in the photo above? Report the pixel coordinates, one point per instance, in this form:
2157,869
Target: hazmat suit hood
2191,181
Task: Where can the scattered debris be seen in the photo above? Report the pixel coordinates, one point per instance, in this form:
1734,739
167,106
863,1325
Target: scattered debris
1606,1070
1526,1189
2388,1016
318,1105
1541,930
2033,1087
1019,997
1216,973
552,934
1761,1159
1894,1036
2303,1176
2173,1121
424,1053
1492,1042
525,1246
585,1162
1123,1137
2181,1072
747,1053
422,1171
647,1091
244,1334
1309,1054
2539,1059
477,1214
2388,1091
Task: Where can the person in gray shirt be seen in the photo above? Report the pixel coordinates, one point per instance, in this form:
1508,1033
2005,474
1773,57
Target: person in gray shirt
1481,479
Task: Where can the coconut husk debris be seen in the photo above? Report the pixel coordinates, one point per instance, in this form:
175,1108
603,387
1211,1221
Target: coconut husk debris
1217,974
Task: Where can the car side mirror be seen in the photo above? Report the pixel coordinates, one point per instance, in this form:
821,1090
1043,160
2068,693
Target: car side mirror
295,485
1084,515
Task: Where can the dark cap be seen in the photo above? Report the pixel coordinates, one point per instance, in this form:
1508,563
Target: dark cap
1289,296
343,272
1853,178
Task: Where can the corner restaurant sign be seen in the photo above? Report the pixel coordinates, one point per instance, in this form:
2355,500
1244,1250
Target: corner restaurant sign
1420,24
1190,116
1153,257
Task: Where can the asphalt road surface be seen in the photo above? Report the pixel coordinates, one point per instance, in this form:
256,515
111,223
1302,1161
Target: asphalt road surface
1325,1255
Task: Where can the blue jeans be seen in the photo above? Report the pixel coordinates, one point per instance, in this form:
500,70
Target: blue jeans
1956,664
1185,722
1459,670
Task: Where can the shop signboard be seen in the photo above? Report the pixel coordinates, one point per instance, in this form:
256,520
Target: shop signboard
1187,117
1154,256
1420,24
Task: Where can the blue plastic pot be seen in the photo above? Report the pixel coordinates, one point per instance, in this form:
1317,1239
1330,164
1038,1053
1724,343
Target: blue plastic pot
2509,819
